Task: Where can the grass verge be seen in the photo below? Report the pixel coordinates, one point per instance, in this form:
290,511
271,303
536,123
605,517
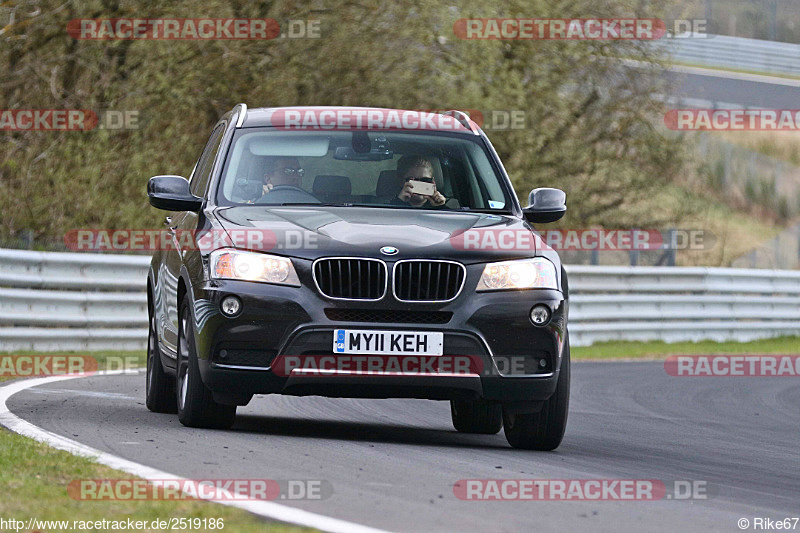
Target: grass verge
36,477
660,350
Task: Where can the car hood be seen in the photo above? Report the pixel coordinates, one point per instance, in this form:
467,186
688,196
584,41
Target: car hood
313,232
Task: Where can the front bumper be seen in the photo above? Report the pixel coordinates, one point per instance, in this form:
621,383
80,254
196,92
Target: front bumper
237,355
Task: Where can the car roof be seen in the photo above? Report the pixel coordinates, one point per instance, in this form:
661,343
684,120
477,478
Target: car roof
333,118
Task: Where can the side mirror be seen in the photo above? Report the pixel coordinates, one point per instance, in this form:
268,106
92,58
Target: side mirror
545,205
172,193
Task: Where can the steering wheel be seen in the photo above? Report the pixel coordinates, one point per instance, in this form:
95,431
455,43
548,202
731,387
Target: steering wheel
280,194
288,187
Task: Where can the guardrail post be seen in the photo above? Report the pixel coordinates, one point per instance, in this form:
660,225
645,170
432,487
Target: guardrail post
671,251
634,254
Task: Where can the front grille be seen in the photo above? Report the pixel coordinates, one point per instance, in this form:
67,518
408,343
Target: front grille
351,279
389,316
420,280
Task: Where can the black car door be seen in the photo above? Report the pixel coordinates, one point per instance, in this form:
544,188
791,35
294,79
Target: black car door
180,231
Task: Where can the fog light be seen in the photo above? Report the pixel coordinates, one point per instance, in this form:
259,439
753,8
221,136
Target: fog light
540,315
542,363
231,305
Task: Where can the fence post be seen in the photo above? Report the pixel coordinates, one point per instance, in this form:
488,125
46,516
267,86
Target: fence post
27,239
726,174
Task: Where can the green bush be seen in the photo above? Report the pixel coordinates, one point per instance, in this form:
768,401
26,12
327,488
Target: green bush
594,126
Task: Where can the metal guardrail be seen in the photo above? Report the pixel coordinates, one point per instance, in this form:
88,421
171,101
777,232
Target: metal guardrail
52,301
57,270
89,302
681,304
722,51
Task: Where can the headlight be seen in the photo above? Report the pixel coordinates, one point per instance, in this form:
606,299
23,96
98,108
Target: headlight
251,266
537,273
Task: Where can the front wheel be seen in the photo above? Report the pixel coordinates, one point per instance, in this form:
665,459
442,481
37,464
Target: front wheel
476,416
196,405
543,430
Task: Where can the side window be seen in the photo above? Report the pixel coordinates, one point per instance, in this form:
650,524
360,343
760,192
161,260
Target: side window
202,172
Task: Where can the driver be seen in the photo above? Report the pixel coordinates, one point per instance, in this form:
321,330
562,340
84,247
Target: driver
284,171
417,168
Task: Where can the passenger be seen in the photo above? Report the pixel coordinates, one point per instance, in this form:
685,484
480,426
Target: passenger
416,168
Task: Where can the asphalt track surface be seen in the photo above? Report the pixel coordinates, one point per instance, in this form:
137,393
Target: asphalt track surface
392,464
732,88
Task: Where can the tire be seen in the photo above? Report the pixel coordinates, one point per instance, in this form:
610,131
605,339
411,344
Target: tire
543,430
477,416
196,405
159,387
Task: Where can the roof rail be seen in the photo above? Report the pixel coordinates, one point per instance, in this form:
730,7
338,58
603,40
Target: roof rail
463,118
242,114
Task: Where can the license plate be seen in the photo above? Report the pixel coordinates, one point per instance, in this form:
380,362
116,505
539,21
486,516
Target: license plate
387,342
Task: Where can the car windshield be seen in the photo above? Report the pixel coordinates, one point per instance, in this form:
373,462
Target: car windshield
431,170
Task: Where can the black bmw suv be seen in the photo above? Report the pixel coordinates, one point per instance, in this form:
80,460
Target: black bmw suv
358,252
